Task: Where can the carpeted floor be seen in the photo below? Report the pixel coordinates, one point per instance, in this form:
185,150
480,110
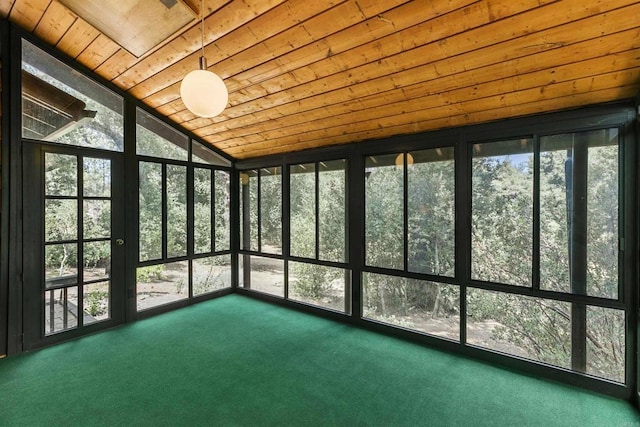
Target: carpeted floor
238,361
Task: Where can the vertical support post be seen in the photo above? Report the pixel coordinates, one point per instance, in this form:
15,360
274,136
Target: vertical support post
577,168
246,229
356,230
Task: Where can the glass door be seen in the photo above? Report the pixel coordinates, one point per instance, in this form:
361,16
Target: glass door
74,246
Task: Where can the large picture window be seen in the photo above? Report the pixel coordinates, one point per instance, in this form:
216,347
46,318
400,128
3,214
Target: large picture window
579,188
545,215
312,270
502,212
318,215
410,211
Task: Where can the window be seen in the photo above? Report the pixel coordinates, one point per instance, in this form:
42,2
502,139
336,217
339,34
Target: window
150,210
211,273
317,206
157,139
262,274
302,203
222,210
170,269
419,305
261,210
202,154
211,200
317,210
410,211
431,211
61,105
161,284
579,213
502,212
202,210
384,211
319,285
545,214
544,330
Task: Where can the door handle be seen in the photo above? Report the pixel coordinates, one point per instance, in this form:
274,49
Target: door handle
119,242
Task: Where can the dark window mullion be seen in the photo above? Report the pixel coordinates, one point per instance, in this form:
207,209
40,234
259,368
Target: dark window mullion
80,236
535,273
164,211
463,219
212,201
317,209
405,211
622,229
259,208
578,252
190,207
285,214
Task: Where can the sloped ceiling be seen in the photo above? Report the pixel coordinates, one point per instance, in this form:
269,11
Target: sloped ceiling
304,74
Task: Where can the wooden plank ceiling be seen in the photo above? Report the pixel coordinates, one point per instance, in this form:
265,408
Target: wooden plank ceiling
304,74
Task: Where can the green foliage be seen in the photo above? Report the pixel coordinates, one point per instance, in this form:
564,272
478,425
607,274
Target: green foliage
398,296
502,248
96,303
149,273
311,280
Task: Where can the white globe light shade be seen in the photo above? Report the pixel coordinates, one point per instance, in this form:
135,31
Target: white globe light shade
204,93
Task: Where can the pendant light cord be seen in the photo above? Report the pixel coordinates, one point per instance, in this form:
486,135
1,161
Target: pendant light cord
202,26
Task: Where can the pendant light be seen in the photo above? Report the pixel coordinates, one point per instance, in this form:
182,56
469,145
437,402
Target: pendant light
203,92
400,161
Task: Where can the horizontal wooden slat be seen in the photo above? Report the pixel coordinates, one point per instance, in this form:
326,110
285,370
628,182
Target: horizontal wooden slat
122,61
77,38
322,65
55,22
97,52
27,13
5,8
516,71
273,22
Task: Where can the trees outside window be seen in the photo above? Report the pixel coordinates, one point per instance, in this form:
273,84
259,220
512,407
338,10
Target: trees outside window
502,212
410,227
317,201
576,248
170,269
544,218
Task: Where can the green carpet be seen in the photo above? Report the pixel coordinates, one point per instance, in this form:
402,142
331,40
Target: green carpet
238,361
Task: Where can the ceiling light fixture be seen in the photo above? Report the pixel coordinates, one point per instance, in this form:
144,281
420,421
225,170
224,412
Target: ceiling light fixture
203,92
400,160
